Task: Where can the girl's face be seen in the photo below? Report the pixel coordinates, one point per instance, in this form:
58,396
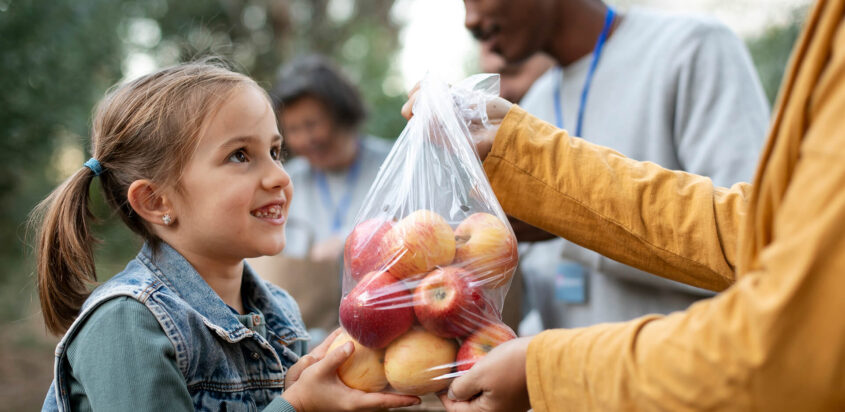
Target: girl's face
234,194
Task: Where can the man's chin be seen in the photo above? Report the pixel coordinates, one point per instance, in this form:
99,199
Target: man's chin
516,59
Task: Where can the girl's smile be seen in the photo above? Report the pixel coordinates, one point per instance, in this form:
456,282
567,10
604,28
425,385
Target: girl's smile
271,212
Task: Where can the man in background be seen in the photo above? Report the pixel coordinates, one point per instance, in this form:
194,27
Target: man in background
678,90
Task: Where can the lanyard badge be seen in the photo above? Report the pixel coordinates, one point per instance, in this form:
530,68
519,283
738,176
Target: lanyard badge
570,282
338,212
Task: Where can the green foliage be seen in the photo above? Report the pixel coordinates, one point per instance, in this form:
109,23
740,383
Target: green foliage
60,56
259,36
771,50
56,63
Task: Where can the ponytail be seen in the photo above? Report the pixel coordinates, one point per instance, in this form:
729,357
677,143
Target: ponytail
64,251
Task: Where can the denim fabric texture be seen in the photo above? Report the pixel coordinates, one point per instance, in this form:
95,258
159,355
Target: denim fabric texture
226,365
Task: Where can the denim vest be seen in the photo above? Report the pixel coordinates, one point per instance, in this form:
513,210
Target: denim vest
209,340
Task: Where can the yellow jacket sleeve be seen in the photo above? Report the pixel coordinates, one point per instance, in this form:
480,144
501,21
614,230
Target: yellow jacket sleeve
614,205
774,340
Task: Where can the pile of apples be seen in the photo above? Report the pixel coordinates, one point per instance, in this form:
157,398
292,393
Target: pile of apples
421,305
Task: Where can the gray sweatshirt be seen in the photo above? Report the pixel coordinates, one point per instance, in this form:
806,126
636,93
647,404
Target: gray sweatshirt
677,90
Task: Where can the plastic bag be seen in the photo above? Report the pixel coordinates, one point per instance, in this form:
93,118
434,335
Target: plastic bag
430,260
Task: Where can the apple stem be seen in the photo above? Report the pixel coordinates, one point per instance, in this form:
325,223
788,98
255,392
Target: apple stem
460,240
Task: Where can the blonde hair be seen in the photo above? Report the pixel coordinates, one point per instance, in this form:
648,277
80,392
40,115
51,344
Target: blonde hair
144,129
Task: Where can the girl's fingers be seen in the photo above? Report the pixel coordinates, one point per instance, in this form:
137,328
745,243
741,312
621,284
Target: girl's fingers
335,358
296,370
320,351
386,401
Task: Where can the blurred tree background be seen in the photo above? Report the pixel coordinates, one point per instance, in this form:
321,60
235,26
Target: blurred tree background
59,57
770,50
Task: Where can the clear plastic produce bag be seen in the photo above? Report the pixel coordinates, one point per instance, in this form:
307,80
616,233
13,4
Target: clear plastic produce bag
430,260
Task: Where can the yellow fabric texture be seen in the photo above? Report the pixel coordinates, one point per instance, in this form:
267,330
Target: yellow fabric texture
774,338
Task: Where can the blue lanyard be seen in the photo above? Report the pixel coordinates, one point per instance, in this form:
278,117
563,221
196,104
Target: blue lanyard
339,211
608,22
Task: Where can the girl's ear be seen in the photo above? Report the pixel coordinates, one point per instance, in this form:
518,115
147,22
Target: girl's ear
148,203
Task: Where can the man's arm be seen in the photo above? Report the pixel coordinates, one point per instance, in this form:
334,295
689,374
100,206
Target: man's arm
773,341
600,199
720,123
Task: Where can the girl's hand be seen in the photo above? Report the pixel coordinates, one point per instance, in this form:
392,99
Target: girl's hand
318,388
497,108
312,357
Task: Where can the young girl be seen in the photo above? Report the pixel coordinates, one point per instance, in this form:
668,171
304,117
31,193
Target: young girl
190,159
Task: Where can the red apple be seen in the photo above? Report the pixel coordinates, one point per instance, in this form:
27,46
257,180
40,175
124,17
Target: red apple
377,310
419,362
364,370
487,248
481,343
418,243
449,304
363,252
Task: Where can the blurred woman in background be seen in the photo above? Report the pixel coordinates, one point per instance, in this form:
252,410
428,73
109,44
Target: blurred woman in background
320,113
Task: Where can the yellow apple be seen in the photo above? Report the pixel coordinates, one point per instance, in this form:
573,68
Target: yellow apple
364,370
414,362
418,243
487,249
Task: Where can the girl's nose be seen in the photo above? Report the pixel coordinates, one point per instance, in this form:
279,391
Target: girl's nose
276,177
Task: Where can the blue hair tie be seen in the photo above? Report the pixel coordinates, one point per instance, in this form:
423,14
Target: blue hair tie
95,166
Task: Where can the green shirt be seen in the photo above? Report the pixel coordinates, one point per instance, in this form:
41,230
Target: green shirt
121,359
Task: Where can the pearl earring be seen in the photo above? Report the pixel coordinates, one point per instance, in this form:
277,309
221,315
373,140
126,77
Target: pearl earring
167,219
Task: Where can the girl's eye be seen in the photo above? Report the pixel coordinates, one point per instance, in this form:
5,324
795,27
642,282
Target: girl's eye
239,156
279,153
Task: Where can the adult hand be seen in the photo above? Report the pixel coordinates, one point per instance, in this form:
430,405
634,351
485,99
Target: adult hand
497,108
496,383
318,388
